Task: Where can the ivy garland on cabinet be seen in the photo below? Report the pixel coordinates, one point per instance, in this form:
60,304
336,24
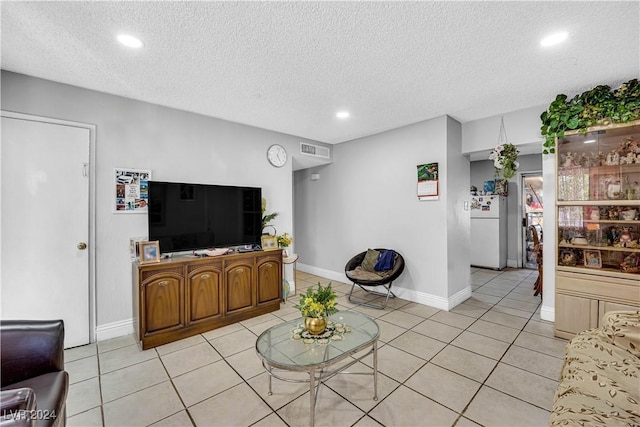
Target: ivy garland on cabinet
598,106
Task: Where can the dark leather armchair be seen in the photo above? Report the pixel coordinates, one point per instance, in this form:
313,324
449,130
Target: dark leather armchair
33,380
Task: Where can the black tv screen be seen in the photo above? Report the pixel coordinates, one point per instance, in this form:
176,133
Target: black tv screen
186,216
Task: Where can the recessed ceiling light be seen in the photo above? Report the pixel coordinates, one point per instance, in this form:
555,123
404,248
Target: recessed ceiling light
342,114
130,41
554,39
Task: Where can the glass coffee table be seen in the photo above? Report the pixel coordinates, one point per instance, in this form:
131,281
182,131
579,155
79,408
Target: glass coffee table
283,349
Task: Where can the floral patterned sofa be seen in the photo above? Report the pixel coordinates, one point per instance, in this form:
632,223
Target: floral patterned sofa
600,380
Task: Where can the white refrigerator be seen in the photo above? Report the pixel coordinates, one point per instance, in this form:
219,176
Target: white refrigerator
489,231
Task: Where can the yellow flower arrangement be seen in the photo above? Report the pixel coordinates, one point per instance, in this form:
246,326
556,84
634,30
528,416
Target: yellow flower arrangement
284,240
319,303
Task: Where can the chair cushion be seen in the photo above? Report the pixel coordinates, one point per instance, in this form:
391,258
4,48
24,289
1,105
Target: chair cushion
18,408
622,328
362,275
370,259
51,393
599,379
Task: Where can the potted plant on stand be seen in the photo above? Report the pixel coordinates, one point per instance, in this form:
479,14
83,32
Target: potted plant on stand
284,241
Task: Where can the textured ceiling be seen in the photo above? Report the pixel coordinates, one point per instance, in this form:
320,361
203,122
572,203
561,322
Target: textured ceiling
289,66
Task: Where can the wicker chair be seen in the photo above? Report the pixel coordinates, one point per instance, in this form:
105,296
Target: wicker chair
373,280
537,249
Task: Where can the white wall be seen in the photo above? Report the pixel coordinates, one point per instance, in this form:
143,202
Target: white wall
176,146
367,198
522,128
456,193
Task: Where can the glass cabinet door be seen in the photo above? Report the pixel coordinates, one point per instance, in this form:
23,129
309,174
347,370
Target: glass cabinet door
599,166
598,200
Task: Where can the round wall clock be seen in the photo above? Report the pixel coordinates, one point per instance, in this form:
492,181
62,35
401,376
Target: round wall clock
277,155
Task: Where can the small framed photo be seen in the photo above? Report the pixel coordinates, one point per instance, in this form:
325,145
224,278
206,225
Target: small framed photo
567,257
269,242
592,258
149,252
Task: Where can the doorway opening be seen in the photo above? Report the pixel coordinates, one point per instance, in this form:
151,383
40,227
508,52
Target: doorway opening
532,209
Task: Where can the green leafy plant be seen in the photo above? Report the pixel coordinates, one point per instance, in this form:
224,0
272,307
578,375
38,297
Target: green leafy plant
318,303
505,160
267,218
598,106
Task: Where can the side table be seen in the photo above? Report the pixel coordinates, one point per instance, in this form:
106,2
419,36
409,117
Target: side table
289,260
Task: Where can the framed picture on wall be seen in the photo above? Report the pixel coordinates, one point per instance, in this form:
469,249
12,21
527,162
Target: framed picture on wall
131,190
149,252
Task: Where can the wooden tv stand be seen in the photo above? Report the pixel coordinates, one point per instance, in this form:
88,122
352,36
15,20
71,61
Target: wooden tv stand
187,295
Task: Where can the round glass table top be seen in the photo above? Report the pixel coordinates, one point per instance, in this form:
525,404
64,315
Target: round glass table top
278,348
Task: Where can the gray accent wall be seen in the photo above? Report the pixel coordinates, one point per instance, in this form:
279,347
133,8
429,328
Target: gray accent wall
367,198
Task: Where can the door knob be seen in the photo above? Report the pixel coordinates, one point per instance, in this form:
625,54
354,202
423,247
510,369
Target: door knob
82,246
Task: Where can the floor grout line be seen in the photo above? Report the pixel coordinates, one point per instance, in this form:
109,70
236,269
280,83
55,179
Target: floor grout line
519,283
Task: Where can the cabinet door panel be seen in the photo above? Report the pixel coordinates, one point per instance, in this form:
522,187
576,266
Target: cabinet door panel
239,287
205,295
163,301
577,314
269,281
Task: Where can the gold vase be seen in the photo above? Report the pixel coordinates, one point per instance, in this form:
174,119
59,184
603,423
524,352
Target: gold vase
315,325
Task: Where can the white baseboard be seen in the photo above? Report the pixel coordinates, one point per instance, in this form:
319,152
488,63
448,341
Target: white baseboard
407,294
114,330
322,272
513,263
460,297
548,313
433,300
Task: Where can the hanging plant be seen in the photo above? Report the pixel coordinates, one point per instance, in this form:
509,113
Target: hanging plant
505,161
504,156
598,106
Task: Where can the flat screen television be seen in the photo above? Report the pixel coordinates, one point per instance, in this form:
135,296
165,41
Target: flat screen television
185,217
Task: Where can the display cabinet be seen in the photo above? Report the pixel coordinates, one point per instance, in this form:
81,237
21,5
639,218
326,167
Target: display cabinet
598,225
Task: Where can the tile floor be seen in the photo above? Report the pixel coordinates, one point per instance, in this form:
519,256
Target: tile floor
490,361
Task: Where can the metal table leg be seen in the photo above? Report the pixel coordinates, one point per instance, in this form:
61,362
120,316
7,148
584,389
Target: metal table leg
312,394
375,370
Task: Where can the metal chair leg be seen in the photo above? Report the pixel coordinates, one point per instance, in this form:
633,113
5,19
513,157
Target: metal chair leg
382,306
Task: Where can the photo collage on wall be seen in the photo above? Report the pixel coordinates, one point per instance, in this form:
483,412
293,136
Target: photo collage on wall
132,190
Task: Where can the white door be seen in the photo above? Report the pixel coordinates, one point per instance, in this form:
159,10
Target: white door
45,224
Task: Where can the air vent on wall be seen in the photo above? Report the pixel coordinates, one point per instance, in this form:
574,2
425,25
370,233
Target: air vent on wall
314,150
